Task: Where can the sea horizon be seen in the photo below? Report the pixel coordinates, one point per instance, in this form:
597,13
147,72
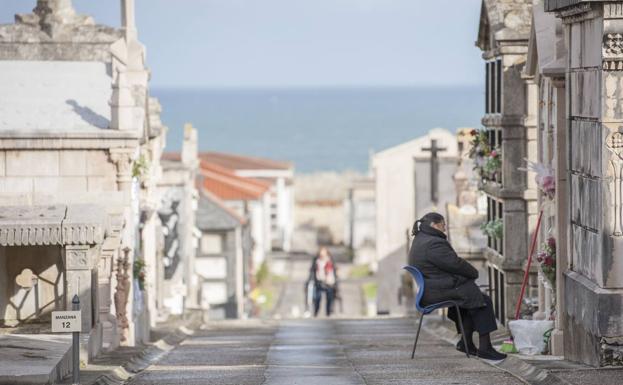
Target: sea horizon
316,128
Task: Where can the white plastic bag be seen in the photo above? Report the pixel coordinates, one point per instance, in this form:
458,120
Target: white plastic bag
529,335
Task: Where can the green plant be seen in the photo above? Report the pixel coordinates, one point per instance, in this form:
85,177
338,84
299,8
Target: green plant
263,274
360,271
479,144
494,228
140,167
370,290
138,269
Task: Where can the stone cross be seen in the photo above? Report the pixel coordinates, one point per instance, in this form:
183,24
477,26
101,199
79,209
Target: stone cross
128,19
434,169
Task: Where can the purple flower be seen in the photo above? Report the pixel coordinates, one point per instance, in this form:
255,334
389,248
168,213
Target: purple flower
551,242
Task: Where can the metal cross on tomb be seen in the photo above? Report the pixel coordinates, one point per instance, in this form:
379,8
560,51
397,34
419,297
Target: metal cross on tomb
434,169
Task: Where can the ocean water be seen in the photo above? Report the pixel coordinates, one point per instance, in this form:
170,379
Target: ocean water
317,129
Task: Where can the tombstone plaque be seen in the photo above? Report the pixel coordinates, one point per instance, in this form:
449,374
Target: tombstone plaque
66,321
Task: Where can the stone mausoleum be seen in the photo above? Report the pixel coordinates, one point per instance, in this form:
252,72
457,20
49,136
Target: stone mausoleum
76,122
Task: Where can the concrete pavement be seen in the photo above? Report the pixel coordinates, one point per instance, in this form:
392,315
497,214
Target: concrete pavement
318,352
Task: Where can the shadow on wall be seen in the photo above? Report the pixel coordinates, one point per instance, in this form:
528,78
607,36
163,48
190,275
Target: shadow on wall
88,115
31,284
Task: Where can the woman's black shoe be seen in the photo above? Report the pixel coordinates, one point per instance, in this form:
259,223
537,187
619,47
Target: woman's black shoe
491,354
460,346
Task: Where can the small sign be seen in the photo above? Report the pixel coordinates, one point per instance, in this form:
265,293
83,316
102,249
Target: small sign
66,321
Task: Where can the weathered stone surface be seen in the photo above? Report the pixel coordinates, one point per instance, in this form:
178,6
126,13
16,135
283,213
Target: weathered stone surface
587,322
53,185
586,147
17,185
586,201
99,164
32,163
34,359
585,101
101,183
73,163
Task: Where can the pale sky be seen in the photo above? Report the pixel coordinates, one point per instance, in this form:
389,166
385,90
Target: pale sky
292,43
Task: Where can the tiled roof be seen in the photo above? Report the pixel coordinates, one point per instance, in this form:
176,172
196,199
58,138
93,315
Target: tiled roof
223,183
213,214
239,162
172,156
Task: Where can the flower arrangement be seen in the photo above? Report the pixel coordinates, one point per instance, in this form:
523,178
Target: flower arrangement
492,163
545,179
547,260
139,272
479,144
487,160
493,229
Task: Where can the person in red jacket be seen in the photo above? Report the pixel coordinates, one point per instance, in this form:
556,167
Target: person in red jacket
323,274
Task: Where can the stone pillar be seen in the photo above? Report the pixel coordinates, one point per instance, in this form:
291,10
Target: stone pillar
79,261
122,104
122,159
107,284
149,254
561,168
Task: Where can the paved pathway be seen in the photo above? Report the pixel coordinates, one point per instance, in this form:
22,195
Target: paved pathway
291,304
318,352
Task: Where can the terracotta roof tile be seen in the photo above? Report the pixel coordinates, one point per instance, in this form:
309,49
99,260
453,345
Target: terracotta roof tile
173,156
239,162
223,183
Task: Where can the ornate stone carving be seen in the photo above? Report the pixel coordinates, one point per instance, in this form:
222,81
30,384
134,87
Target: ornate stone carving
123,162
613,10
26,279
613,44
614,143
77,258
612,51
576,13
53,15
122,291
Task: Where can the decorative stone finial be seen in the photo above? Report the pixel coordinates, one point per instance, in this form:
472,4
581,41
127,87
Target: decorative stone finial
53,15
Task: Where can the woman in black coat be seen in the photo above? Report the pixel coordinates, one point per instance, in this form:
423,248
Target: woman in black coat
447,277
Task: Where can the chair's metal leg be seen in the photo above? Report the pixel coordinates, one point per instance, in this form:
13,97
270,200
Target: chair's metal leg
417,335
458,311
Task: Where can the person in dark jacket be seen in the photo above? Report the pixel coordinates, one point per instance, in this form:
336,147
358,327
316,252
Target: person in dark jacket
323,273
447,277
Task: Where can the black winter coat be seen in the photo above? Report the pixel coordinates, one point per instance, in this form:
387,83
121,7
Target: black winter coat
447,277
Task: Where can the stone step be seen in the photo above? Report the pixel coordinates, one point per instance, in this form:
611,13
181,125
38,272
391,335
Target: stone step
34,358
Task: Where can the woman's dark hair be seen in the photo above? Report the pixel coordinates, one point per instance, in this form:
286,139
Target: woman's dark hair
428,220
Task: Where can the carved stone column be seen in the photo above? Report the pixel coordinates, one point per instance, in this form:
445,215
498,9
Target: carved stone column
123,162
122,292
614,143
79,260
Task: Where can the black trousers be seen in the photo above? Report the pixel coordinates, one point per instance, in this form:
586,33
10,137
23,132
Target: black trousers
330,296
481,320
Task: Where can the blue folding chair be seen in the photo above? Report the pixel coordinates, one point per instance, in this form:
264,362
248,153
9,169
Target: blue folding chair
419,279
